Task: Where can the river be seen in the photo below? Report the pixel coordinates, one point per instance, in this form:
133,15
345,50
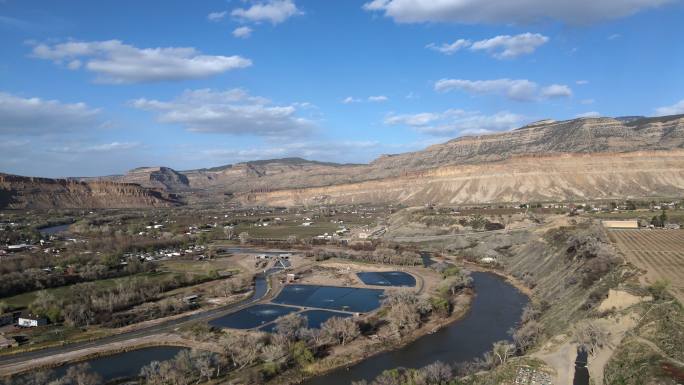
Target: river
496,308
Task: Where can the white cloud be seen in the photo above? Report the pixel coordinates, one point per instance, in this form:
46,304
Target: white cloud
675,109
413,120
105,147
507,47
34,116
370,99
556,91
590,114
614,36
457,122
242,32
450,49
514,89
115,62
338,151
273,11
582,82
232,112
587,101
507,11
350,100
378,98
217,16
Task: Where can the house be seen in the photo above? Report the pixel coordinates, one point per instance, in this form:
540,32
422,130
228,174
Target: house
31,321
626,224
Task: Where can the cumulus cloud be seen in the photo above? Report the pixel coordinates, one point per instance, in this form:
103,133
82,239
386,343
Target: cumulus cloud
501,47
116,62
232,112
242,32
507,47
450,48
556,91
456,122
675,109
217,16
34,116
273,11
506,11
514,89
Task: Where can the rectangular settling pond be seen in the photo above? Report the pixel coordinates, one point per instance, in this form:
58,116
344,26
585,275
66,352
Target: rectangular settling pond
330,297
314,319
253,316
387,278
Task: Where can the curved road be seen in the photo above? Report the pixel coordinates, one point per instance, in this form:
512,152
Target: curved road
260,291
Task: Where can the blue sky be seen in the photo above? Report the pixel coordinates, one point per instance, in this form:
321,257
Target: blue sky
99,87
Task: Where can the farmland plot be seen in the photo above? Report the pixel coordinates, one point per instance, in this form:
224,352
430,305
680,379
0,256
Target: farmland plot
659,252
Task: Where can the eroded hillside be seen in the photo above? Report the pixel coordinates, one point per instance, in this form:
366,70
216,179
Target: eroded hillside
20,192
519,179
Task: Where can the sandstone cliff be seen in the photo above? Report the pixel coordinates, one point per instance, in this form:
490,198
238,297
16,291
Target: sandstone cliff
20,192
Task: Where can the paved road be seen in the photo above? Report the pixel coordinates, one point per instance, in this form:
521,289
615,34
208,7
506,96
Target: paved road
261,289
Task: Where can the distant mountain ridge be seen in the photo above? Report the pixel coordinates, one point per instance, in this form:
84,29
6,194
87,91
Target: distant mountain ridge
549,139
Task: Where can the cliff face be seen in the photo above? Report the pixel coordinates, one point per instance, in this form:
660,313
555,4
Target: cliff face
581,136
587,135
20,192
563,177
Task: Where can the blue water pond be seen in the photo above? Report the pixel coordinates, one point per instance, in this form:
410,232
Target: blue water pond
330,297
314,319
253,316
387,278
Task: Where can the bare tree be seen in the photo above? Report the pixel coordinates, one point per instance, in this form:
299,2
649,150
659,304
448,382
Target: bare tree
527,335
403,318
82,375
340,330
242,348
437,373
502,351
291,325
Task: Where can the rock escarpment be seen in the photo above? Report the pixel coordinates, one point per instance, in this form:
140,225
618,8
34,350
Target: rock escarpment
550,178
19,192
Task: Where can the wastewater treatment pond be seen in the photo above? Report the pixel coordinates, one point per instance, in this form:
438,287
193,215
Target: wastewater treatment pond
317,304
387,278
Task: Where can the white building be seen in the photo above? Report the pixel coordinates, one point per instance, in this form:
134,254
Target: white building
31,322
